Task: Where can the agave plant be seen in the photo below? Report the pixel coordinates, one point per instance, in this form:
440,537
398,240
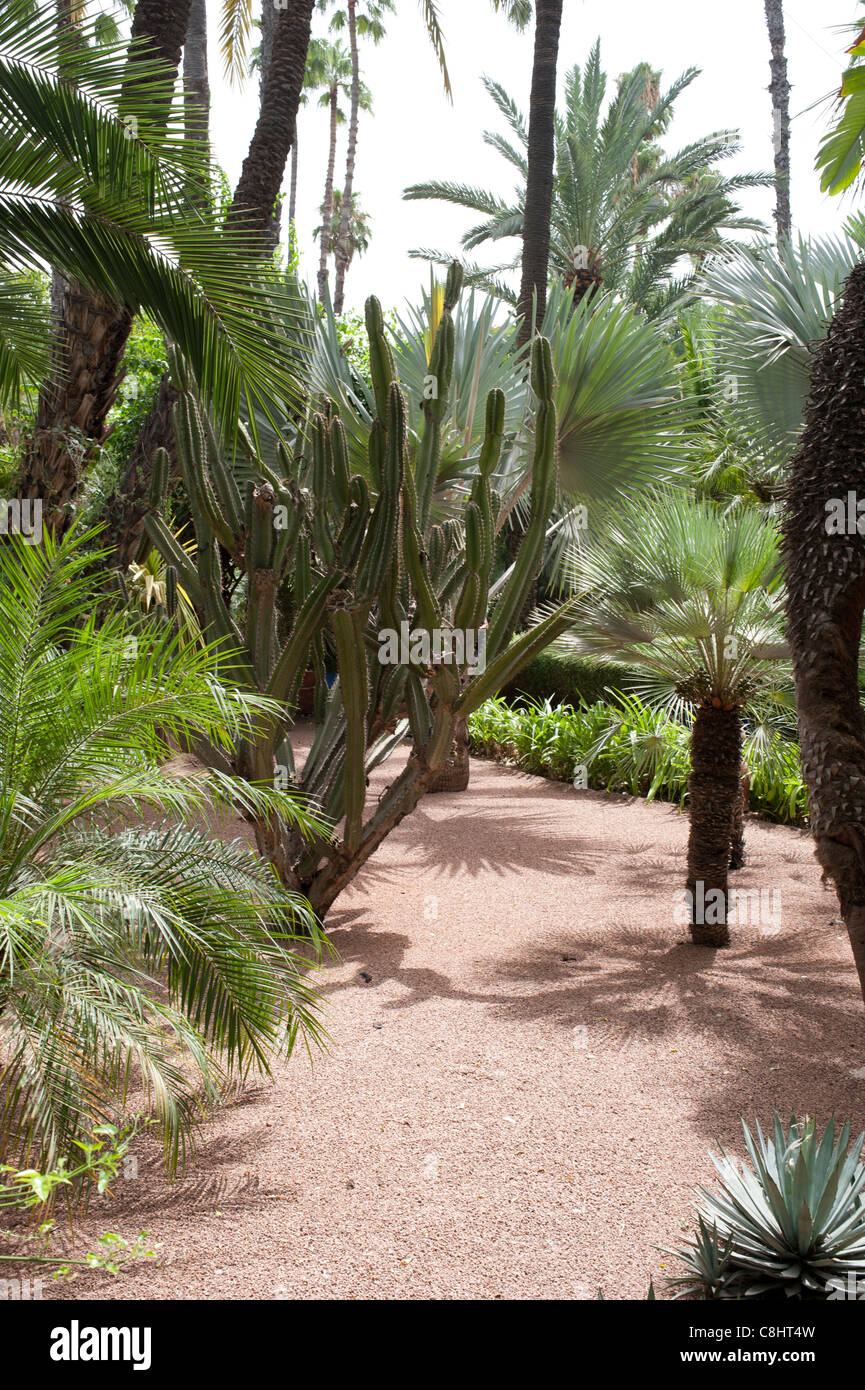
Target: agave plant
135,951
791,1224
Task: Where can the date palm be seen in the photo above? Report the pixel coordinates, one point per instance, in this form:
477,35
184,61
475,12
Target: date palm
625,213
134,950
694,601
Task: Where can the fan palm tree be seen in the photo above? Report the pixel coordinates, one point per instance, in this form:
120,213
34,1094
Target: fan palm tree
777,302
625,214
134,950
693,600
91,184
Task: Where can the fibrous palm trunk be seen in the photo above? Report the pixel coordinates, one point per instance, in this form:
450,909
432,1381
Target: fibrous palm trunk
196,87
541,164
825,603
255,198
342,252
780,92
89,335
327,205
714,787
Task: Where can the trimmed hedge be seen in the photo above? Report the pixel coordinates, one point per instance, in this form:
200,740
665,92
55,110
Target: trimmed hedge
566,680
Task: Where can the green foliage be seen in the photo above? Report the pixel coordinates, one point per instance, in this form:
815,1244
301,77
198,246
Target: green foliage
563,678
839,159
102,1159
129,940
625,746
791,1223
96,181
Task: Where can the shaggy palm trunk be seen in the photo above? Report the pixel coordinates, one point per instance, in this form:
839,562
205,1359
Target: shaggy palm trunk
342,251
714,788
196,91
89,336
327,205
129,502
740,810
780,92
825,602
541,164
254,202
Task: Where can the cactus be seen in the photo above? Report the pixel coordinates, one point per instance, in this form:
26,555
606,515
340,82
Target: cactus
332,560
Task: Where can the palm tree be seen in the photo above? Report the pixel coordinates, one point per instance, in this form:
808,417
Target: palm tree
106,202
780,90
358,229
625,213
329,66
366,22
89,328
132,946
694,600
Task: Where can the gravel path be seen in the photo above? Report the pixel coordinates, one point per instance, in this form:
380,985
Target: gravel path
528,1065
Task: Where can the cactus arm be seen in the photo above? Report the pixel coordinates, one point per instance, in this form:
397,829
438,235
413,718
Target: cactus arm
348,629
381,362
506,665
283,684
543,494
172,552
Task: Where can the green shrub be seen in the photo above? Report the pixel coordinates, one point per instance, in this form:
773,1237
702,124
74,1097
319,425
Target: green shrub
567,679
630,747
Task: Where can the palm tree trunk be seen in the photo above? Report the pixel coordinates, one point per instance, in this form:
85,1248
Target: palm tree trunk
264,167
780,91
342,252
283,39
825,603
129,502
714,787
327,205
541,164
196,89
89,336
292,193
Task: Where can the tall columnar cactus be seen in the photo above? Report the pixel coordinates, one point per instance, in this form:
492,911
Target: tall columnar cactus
396,599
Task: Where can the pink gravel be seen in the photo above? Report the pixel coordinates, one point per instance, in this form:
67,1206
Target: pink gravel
519,1101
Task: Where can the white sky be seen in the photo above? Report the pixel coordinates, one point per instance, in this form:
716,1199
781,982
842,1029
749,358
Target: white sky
413,134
